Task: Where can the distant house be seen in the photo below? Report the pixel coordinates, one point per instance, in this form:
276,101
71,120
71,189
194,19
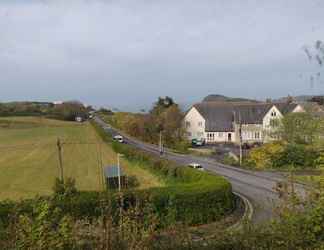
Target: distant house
217,122
111,177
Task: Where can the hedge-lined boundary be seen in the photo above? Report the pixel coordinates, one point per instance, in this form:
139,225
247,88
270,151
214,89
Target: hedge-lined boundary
193,196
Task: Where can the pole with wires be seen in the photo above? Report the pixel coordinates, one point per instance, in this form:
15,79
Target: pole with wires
59,148
241,139
161,143
118,169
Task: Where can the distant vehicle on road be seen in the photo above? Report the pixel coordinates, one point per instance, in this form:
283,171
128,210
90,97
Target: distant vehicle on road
119,138
196,166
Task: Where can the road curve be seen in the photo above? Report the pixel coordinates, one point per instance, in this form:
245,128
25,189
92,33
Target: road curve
258,187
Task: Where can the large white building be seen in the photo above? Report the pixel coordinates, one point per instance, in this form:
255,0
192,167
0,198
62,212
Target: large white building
222,121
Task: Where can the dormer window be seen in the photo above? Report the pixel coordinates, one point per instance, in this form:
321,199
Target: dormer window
187,124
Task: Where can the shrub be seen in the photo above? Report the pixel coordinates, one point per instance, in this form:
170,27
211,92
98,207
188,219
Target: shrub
298,156
132,182
230,160
264,156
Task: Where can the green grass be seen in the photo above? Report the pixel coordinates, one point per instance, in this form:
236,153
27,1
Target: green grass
29,157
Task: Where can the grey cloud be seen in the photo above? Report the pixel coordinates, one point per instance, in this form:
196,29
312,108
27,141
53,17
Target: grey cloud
126,53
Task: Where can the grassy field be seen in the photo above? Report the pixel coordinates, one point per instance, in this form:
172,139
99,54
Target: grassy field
29,157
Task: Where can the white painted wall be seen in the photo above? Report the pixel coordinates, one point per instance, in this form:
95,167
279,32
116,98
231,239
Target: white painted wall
214,137
195,125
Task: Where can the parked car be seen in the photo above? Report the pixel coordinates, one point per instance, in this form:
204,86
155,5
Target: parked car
119,138
198,142
196,166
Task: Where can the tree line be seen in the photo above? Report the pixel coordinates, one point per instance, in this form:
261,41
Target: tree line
67,111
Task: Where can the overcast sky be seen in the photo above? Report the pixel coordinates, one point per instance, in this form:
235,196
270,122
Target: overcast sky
125,54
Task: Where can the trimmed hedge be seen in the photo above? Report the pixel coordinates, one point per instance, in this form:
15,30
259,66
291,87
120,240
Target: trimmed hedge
194,197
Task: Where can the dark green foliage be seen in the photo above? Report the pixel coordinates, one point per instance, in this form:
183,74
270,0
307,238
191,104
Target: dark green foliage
132,182
161,105
297,156
66,188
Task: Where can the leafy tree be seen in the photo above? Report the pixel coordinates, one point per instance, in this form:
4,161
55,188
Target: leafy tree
300,128
161,105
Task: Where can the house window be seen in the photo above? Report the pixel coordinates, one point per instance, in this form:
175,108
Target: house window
187,124
257,135
210,136
273,113
189,134
200,124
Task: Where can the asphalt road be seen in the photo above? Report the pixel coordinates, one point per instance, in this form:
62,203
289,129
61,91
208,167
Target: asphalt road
257,187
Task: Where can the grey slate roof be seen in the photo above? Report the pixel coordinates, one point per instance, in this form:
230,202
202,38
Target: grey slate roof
112,171
220,116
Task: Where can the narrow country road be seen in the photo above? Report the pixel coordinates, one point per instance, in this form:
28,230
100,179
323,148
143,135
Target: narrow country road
257,187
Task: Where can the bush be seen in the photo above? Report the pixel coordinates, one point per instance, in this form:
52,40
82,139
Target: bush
230,160
297,156
132,182
264,156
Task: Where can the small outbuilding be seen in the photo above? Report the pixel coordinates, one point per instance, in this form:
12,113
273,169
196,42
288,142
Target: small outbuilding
111,177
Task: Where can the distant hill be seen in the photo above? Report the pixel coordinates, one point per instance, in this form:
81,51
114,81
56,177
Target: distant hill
222,98
300,98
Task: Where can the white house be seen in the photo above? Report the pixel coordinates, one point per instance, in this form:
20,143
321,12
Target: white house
223,121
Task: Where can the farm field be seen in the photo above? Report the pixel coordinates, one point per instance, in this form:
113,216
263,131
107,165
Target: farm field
29,157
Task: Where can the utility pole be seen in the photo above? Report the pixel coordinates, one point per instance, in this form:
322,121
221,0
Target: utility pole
241,139
118,167
59,148
161,144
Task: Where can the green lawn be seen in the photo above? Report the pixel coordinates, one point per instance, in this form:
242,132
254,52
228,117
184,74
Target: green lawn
29,157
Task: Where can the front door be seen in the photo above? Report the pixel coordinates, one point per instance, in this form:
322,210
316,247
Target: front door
229,137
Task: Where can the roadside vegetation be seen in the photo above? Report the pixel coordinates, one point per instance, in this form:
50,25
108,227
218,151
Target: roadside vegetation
71,218
301,146
45,224
165,117
194,197
29,157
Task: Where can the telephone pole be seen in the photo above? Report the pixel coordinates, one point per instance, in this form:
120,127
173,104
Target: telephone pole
161,144
59,148
241,139
118,168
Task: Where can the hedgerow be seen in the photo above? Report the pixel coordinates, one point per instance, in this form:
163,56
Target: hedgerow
193,196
